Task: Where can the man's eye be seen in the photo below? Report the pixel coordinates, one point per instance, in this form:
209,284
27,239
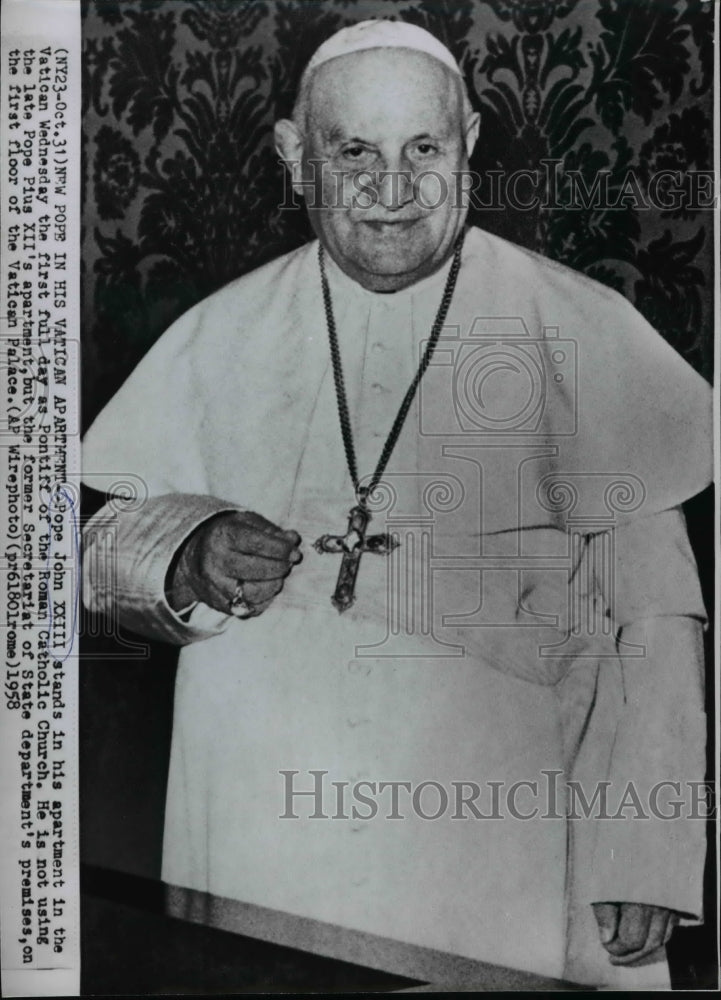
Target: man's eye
354,152
426,148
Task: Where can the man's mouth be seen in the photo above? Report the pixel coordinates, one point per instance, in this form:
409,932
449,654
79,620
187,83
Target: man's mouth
391,226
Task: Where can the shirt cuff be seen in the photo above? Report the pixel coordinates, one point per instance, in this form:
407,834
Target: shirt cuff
652,860
126,561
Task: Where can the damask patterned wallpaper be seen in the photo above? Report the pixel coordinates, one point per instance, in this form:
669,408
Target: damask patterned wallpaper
182,186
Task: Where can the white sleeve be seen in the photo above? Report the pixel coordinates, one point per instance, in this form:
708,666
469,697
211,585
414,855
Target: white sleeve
659,747
126,557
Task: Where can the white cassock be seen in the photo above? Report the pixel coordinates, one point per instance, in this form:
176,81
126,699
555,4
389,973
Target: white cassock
535,491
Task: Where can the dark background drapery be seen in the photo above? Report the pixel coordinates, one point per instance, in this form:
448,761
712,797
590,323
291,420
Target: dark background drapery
182,188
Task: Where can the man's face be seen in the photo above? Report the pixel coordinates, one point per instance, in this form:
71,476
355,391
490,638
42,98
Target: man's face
388,128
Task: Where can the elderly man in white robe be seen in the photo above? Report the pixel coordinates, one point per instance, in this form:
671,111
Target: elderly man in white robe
512,604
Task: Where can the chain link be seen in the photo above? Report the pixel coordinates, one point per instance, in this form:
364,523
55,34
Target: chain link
362,493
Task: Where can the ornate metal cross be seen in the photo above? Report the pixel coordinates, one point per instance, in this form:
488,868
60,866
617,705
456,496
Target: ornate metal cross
353,544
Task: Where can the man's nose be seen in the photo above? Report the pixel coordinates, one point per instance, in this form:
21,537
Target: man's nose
395,186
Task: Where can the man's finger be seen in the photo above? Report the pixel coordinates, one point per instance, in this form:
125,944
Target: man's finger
633,926
293,537
258,609
606,915
257,593
252,520
218,591
243,567
660,920
252,542
272,530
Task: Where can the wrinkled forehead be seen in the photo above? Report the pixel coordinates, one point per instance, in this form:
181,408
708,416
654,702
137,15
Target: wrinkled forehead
384,90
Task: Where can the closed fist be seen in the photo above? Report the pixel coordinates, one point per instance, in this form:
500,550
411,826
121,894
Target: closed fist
232,548
631,932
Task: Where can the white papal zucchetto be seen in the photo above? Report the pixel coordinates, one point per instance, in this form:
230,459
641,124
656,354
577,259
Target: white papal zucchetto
381,34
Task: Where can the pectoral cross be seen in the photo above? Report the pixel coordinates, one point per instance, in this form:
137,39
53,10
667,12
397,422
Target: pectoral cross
353,544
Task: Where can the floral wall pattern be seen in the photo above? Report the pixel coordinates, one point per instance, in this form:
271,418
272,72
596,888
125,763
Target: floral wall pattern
182,186
182,190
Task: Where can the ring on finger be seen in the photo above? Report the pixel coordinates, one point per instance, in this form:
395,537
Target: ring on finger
239,606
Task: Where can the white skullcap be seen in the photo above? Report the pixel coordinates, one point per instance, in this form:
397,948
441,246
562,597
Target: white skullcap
380,34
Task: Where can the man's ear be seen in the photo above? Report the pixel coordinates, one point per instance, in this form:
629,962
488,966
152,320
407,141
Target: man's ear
473,126
289,144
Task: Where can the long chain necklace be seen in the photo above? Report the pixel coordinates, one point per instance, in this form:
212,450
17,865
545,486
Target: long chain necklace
354,543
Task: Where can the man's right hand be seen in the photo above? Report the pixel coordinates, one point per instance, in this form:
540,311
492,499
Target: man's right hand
228,549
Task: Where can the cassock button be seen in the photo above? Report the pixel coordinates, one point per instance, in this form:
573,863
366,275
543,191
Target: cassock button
378,348
377,388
